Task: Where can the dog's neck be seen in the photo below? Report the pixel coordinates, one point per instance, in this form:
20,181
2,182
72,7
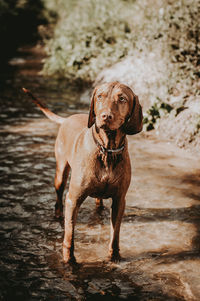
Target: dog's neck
111,142
110,145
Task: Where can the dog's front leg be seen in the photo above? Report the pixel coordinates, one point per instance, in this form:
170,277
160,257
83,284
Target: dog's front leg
117,211
71,211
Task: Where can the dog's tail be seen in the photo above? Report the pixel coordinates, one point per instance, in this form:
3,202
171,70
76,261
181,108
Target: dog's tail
46,111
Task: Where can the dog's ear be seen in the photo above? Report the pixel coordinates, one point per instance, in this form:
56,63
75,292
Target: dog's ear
91,118
133,124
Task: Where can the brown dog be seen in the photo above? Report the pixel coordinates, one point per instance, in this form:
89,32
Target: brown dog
95,148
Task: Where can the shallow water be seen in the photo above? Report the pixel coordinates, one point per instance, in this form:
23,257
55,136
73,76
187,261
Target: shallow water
160,238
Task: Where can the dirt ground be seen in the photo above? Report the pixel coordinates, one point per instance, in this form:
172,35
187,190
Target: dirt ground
163,209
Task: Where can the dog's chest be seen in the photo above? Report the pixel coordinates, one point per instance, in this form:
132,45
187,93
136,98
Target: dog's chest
105,180
104,184
108,174
105,175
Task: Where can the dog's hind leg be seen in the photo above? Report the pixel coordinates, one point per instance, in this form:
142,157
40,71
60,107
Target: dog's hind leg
61,176
99,204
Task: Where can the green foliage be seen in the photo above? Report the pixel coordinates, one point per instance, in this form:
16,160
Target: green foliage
156,111
89,35
184,39
93,34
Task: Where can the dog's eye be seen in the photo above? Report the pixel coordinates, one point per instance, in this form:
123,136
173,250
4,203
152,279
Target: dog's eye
99,97
122,99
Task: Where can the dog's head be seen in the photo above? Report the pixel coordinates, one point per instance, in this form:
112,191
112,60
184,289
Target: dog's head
115,106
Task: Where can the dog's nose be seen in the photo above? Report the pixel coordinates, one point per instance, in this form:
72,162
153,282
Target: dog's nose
106,116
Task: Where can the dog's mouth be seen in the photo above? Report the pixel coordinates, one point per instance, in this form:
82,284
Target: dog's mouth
105,125
110,125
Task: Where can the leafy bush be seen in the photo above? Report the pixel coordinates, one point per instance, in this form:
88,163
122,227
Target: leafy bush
89,35
156,111
93,34
180,36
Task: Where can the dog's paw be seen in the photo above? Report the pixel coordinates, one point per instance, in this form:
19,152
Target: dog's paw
99,209
58,214
70,261
115,257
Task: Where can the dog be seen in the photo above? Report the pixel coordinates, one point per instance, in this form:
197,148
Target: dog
95,148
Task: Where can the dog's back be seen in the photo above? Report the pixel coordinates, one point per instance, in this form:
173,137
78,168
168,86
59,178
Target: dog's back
68,133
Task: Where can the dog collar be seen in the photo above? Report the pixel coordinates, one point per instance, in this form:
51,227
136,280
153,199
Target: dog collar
105,150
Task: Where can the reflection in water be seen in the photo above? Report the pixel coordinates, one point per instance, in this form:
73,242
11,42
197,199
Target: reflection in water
160,230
